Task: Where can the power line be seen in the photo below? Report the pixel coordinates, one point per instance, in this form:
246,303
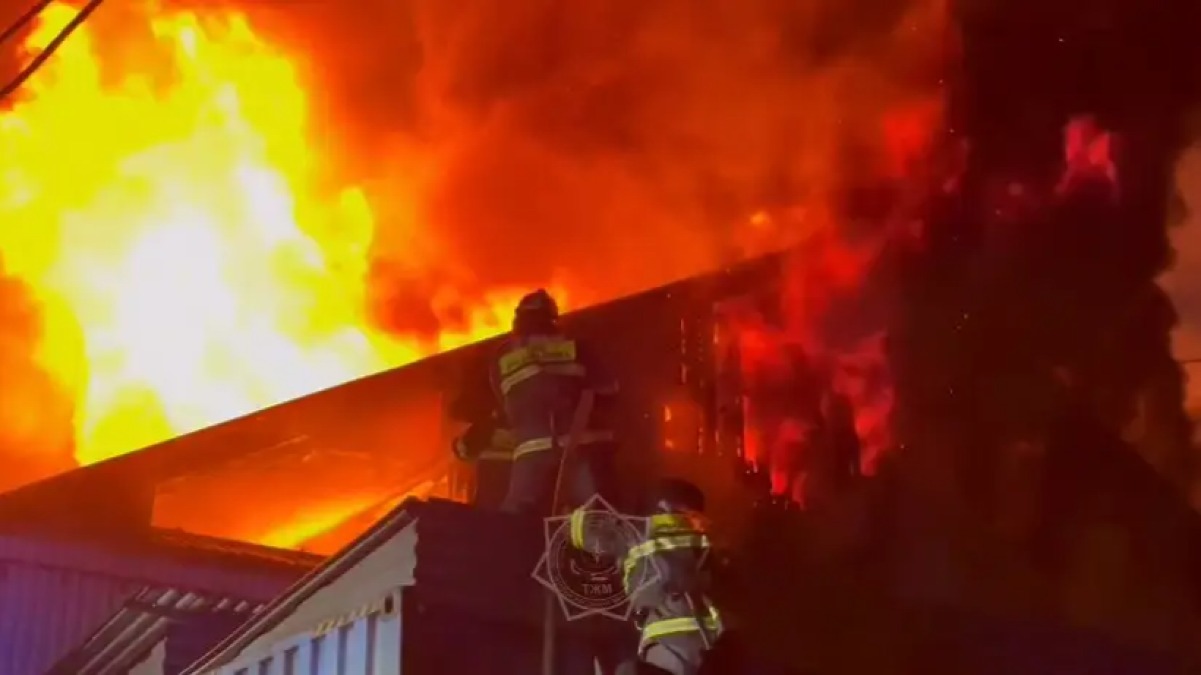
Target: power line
51,47
29,15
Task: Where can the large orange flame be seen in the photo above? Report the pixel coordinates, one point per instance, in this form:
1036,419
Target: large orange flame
167,215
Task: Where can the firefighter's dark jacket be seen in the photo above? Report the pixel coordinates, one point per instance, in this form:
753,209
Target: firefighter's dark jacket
486,436
539,380
484,441
490,449
662,567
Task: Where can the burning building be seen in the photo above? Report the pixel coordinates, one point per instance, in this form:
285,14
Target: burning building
261,220
970,313
317,472
314,472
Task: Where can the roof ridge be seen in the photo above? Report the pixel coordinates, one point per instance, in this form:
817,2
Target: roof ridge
206,542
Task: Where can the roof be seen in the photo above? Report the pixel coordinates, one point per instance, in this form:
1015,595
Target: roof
283,435
287,602
195,546
127,638
163,559
260,458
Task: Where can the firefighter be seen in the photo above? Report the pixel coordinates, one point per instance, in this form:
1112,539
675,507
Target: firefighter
665,575
539,378
489,446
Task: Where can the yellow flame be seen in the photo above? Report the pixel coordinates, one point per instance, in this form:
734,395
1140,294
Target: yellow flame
166,213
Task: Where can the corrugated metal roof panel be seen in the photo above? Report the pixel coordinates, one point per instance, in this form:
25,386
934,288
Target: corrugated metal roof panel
145,618
192,637
139,565
45,610
55,592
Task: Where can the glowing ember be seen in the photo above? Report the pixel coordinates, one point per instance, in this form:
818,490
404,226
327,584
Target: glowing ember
1088,155
166,214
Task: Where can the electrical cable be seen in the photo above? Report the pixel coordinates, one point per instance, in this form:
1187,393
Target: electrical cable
38,61
29,15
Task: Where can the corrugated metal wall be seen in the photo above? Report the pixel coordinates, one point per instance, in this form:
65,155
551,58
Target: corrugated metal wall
54,592
45,611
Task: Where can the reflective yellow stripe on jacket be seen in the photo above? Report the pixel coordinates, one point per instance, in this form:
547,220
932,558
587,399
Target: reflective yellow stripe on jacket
544,443
696,540
676,523
657,630
576,527
553,357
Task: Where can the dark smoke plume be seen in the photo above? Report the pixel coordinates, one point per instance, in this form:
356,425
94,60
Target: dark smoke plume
1028,295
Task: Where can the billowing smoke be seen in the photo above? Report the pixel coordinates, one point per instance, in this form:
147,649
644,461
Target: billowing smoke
602,145
1183,280
612,144
1032,291
1183,283
616,145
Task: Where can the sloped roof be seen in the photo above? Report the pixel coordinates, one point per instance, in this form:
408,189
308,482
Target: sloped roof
127,638
307,423
119,494
278,610
177,560
196,546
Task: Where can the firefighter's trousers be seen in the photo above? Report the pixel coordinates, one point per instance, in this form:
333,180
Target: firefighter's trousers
532,479
681,656
491,482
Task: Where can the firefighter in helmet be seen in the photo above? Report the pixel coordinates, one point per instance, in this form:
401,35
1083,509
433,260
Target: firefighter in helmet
665,575
539,378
